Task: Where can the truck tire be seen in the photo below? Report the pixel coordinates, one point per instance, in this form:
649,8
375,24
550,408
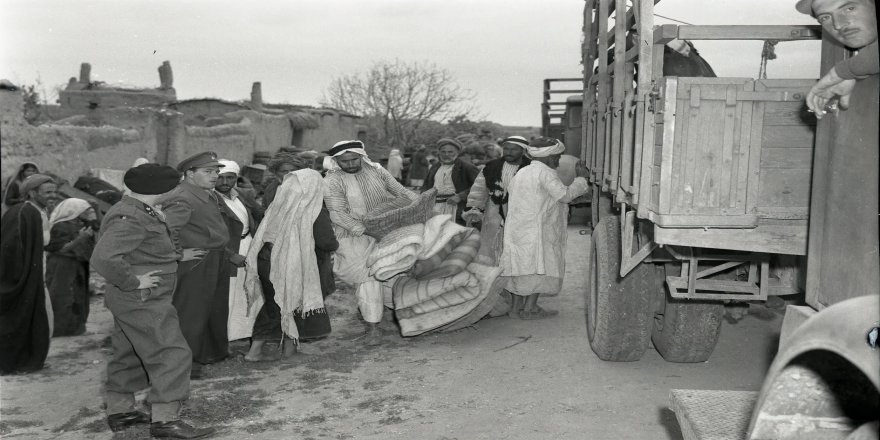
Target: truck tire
600,205
686,330
619,310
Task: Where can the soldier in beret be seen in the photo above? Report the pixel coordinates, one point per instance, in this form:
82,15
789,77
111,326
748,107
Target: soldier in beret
135,254
197,219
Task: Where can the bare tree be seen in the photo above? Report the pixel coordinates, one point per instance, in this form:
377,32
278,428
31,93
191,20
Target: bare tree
397,98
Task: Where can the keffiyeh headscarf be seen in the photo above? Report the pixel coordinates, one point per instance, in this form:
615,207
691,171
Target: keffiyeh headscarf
545,147
519,141
229,166
68,209
342,147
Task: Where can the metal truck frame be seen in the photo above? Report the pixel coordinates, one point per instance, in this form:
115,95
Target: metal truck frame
700,186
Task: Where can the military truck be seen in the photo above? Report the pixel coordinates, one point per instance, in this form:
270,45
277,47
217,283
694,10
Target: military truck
711,189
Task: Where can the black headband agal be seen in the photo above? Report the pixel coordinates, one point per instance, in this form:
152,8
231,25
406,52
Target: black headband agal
338,148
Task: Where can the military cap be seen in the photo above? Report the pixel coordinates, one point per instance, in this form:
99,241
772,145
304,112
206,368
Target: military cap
151,178
804,7
201,160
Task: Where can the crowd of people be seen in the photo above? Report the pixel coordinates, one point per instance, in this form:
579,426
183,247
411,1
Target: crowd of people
194,257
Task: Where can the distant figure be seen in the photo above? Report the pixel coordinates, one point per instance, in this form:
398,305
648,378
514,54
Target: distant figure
12,194
488,197
25,309
418,168
535,231
73,225
395,165
452,178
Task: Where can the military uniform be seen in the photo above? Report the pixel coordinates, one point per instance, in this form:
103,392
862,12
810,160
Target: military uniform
196,219
149,348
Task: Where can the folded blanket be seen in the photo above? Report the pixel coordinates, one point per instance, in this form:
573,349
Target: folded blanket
409,292
454,262
426,266
446,317
438,231
493,302
396,252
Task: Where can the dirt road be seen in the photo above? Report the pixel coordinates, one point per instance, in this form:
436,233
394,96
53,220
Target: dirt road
502,379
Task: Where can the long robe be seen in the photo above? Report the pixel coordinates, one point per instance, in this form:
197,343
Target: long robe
67,277
534,234
24,319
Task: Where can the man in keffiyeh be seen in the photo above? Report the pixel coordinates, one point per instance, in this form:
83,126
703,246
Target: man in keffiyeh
487,201
534,233
355,186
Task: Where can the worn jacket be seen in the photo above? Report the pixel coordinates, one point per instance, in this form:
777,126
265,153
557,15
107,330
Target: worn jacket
463,176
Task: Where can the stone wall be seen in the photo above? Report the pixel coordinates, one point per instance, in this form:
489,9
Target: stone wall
236,141
334,127
69,150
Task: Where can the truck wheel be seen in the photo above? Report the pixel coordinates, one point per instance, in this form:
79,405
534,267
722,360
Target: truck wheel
618,309
687,330
600,205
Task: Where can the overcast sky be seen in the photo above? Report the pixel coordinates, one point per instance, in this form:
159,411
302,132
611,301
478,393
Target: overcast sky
501,50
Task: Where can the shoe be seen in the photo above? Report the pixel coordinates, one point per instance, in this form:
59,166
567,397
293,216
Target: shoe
178,429
121,421
197,374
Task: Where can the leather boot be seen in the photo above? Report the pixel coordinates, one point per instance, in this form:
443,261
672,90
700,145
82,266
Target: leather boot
178,429
121,421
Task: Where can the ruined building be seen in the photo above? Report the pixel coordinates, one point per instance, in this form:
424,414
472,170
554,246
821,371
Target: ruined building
99,126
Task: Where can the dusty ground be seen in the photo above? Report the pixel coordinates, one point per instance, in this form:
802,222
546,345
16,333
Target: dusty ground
502,379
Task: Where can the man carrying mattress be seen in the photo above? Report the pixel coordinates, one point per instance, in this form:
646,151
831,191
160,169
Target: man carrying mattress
355,187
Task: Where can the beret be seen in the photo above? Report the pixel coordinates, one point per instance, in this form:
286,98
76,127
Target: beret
448,141
201,160
33,182
151,178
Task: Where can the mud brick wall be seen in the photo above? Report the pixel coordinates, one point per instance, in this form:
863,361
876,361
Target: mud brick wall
70,151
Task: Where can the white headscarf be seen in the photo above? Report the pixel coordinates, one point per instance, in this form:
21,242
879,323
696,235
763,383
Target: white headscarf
332,165
549,150
229,166
288,225
68,209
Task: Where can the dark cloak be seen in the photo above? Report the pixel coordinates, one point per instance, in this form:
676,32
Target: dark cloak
67,277
24,323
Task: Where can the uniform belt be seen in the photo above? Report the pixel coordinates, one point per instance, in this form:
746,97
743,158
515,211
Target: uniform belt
139,269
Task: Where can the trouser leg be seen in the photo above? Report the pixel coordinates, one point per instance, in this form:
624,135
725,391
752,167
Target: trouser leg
194,301
370,297
267,326
148,322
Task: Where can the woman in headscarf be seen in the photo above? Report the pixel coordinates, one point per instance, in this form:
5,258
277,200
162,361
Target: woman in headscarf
12,189
72,224
453,178
283,281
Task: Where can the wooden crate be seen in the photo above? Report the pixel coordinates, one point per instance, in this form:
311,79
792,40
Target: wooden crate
731,154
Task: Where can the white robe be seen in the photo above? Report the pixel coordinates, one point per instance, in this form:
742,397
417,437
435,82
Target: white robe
534,234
